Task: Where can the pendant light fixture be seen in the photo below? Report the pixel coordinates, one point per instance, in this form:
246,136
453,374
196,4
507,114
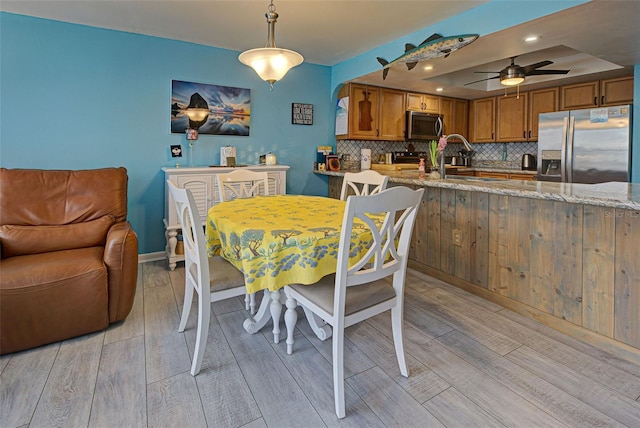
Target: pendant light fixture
271,63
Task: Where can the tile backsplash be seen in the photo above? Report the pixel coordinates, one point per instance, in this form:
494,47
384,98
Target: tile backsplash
485,154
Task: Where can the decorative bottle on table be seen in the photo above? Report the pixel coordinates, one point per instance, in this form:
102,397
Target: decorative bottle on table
421,173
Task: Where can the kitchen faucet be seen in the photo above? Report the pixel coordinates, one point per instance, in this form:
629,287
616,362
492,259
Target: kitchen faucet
466,146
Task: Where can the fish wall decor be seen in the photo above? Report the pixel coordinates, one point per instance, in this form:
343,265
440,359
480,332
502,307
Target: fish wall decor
435,46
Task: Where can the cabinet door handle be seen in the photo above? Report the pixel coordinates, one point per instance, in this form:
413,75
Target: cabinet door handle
602,100
595,101
524,134
529,133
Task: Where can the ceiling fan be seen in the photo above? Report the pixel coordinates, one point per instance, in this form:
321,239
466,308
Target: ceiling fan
514,74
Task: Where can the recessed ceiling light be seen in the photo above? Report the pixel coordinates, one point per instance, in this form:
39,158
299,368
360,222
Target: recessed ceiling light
531,39
428,67
439,89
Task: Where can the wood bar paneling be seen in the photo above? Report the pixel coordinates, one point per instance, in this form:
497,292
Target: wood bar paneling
568,262
479,239
433,228
598,269
447,224
498,235
541,264
627,282
518,249
462,253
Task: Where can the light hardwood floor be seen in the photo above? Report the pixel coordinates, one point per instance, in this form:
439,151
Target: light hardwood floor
472,363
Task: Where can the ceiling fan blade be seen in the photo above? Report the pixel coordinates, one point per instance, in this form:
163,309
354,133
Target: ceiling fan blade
481,80
543,72
497,72
531,67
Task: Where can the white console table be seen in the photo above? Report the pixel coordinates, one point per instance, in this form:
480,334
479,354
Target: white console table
203,184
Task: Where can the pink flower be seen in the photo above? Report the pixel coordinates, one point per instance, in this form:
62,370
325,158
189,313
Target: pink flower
442,143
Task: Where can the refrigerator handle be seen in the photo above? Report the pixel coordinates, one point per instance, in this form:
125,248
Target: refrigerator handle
563,149
569,149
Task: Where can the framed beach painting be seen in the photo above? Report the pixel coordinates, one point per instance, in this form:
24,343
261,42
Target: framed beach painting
210,109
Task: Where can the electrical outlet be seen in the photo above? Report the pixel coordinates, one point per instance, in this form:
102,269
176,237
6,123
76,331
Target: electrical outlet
456,236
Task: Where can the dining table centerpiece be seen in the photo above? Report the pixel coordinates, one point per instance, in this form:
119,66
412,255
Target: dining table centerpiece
436,150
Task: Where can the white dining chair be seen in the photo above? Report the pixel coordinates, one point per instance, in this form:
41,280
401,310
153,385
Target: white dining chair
213,278
243,183
368,182
358,290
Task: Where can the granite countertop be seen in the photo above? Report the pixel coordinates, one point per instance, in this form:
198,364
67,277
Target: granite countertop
612,194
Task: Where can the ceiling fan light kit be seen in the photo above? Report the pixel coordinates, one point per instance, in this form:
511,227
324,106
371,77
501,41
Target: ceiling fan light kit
271,63
514,74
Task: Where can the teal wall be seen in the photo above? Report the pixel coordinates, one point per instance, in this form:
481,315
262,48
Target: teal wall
77,97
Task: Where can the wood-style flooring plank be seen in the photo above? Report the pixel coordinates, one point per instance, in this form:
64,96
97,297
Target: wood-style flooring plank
4,360
67,395
609,402
453,409
389,401
499,401
155,273
228,401
174,402
22,382
280,400
521,331
481,332
314,375
559,404
422,384
355,361
166,349
630,365
120,397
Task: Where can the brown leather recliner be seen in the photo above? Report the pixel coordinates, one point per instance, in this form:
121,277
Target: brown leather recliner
68,261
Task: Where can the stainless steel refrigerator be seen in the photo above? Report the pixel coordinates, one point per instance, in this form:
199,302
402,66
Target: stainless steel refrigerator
585,146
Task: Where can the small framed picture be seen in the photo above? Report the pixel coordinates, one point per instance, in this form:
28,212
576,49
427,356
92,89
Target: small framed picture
176,151
333,163
301,114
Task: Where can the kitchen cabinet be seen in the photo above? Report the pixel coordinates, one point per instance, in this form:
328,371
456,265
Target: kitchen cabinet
511,118
599,93
203,185
392,115
374,113
482,123
540,101
423,102
456,115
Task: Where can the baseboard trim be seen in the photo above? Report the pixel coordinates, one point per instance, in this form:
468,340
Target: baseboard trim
151,257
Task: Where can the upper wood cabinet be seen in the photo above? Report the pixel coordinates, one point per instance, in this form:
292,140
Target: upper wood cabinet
482,123
374,113
599,93
392,115
540,101
511,118
517,116
456,115
423,102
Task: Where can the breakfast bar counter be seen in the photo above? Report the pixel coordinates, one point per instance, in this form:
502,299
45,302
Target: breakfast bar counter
563,254
613,194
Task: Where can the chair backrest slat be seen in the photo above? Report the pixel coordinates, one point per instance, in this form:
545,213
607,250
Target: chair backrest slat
242,183
363,183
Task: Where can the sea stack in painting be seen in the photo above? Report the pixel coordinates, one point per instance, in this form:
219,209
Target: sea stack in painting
435,46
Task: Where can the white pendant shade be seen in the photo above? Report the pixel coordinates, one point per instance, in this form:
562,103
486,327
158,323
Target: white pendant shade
271,64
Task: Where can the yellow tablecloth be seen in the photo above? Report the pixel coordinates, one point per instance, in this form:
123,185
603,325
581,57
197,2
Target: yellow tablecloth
280,239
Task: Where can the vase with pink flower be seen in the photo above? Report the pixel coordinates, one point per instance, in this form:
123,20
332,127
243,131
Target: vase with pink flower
436,150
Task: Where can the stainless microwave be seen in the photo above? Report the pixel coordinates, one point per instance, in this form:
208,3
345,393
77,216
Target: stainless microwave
424,126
